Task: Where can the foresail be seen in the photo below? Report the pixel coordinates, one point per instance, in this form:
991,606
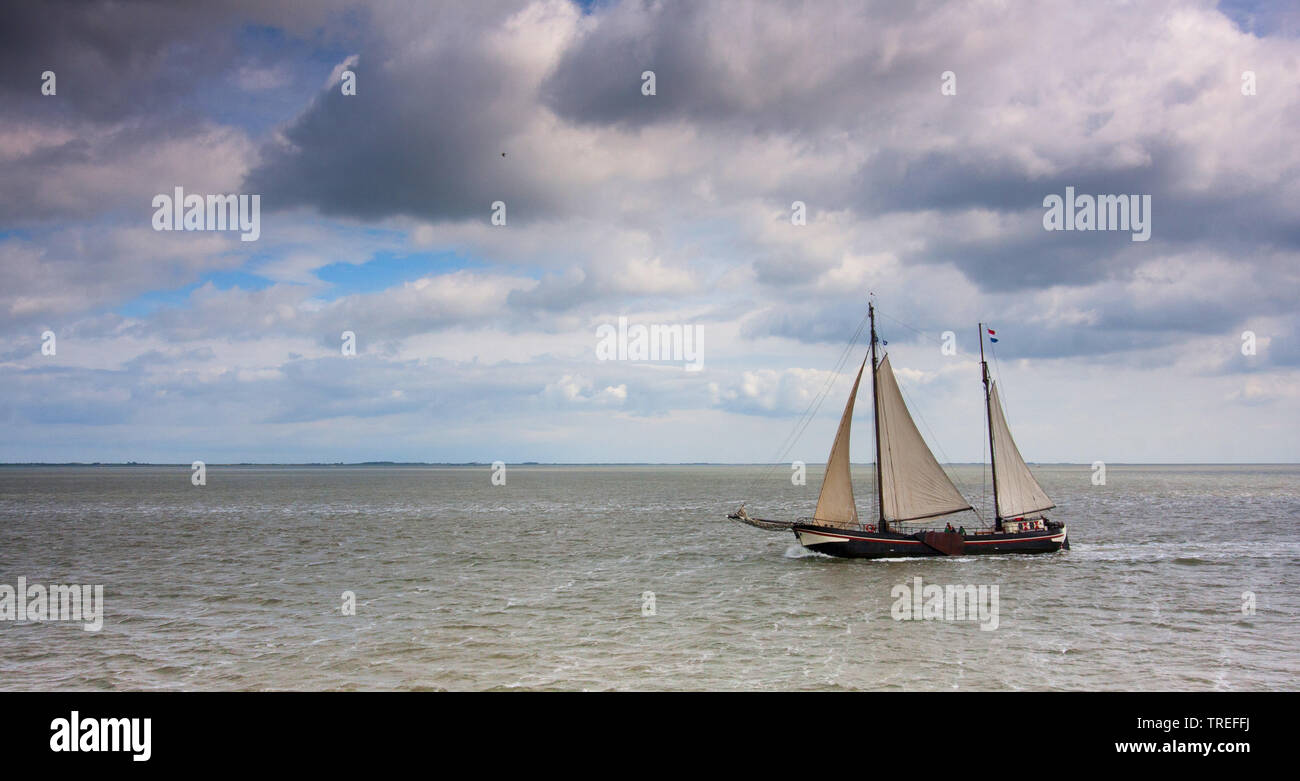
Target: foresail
835,505
913,485
1019,494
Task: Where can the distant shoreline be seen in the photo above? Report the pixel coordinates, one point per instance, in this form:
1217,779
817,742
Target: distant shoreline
378,464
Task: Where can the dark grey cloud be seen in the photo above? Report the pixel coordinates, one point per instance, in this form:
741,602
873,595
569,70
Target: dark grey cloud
419,143
423,137
139,58
1034,257
110,60
732,63
136,84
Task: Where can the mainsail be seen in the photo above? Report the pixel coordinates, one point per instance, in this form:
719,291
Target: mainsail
835,505
912,484
1019,494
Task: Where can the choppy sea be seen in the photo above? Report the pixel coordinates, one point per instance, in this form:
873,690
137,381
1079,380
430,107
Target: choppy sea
1179,578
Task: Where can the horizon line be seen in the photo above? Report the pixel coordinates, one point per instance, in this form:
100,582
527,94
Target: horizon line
611,463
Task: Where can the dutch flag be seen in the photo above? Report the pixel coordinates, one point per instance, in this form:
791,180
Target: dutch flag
992,337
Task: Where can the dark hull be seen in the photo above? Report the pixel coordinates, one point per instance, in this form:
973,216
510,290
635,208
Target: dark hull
881,545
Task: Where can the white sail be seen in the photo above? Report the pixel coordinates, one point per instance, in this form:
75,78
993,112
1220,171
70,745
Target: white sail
835,505
1019,494
913,485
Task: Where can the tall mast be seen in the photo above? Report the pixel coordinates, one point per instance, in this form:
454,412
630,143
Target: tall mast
988,417
875,413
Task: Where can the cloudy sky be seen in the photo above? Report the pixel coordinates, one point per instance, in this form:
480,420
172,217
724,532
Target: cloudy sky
477,342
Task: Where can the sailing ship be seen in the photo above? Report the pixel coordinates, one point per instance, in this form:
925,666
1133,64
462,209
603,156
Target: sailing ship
911,486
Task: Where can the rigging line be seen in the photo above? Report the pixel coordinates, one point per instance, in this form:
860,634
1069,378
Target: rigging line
984,450
1002,391
961,486
810,412
1002,398
926,336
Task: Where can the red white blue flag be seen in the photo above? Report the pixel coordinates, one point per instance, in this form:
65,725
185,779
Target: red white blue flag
992,335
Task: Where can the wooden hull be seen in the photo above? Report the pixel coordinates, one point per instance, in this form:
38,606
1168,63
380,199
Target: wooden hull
853,544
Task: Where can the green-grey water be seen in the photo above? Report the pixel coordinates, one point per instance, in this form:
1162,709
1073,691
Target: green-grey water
539,583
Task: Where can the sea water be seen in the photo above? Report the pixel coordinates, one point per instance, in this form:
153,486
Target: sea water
630,577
